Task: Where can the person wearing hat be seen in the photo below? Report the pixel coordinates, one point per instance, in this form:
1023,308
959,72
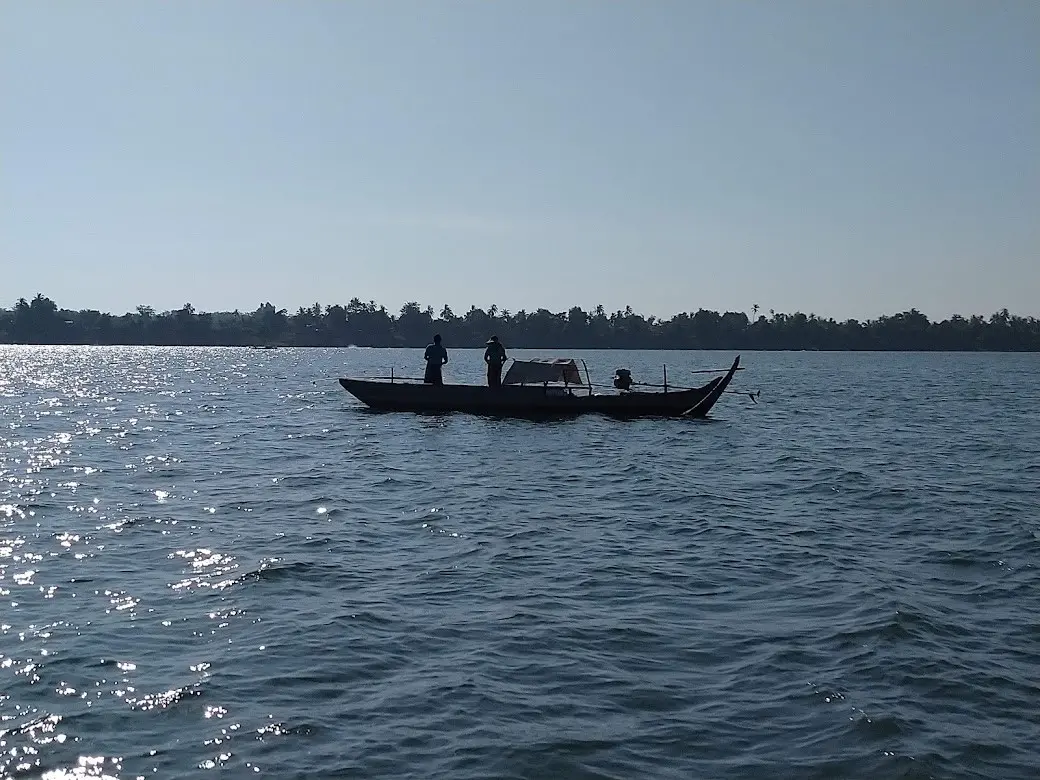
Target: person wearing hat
495,357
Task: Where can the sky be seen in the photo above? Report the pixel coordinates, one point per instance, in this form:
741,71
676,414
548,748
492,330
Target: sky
848,159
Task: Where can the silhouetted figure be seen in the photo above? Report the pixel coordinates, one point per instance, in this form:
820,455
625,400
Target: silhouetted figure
435,357
495,357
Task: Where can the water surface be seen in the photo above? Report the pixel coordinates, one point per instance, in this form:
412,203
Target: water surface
216,562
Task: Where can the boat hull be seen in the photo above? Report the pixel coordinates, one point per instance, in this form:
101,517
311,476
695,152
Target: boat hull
535,401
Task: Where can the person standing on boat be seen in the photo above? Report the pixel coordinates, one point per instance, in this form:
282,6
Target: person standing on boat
435,357
495,357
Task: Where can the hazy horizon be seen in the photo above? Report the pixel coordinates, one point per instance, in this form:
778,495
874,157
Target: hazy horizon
461,311
850,160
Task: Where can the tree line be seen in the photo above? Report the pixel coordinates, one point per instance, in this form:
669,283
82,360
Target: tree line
41,321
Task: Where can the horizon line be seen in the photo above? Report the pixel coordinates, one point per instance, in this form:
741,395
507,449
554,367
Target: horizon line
425,308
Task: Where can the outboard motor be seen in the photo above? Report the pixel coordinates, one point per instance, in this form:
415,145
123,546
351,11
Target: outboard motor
623,379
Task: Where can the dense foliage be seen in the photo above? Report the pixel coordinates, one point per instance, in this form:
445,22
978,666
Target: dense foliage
40,321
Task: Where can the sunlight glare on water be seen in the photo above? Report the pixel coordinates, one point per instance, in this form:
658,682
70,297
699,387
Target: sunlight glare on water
216,561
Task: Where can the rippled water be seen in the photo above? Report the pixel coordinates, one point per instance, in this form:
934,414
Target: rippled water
214,561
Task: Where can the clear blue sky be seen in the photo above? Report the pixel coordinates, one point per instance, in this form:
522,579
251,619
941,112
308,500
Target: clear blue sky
843,158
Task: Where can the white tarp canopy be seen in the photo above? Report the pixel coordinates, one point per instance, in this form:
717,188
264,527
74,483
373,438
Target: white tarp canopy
531,372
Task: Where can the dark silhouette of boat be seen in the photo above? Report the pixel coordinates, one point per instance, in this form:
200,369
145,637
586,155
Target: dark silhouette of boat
536,388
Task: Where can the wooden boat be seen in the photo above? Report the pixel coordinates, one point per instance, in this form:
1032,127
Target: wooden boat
535,388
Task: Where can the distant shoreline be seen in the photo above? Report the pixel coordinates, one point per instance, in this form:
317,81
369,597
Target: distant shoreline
555,349
41,321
